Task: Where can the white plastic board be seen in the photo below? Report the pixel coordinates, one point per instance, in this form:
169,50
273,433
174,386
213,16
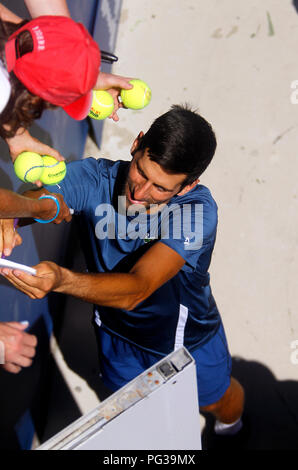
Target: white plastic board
157,410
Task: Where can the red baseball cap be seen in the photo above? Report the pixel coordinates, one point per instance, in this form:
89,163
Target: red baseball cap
63,66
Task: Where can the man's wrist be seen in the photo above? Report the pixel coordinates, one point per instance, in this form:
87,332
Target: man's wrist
45,209
64,279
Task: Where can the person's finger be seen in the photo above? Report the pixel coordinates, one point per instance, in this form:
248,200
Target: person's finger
33,286
22,361
18,283
28,351
30,340
120,82
68,217
12,368
109,80
17,239
18,325
8,235
64,214
115,117
26,278
43,149
36,286
126,86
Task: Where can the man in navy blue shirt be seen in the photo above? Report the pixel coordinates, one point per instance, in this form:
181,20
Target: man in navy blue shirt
148,230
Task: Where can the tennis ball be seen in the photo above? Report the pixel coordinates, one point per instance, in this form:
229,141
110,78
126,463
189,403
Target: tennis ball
137,97
53,170
28,166
102,105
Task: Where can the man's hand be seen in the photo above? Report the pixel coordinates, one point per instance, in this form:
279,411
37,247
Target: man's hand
47,207
23,141
9,237
48,278
19,346
64,213
113,84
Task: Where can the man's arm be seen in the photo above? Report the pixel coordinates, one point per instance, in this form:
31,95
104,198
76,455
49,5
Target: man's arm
7,15
118,290
47,7
13,205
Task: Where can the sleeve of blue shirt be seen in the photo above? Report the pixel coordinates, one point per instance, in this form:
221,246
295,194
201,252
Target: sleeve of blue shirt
81,180
195,240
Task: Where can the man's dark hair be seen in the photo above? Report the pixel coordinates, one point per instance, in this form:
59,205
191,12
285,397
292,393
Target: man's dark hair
23,107
180,141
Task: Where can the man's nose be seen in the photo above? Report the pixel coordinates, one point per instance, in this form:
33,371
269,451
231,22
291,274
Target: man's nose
141,191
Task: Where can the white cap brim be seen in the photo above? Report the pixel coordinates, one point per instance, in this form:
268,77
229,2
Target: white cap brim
5,88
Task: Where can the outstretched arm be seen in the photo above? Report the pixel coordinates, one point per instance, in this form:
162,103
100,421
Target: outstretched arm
13,205
118,290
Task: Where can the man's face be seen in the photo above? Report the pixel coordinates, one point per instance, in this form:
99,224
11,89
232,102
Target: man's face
147,183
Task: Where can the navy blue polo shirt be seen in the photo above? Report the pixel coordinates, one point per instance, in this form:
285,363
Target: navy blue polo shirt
183,310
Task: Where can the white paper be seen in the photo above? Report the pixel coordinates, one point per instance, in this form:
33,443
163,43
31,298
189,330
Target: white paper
5,263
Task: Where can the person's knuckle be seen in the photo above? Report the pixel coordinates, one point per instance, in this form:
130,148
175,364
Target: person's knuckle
16,338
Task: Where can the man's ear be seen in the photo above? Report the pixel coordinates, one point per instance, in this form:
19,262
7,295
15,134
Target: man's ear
188,187
136,143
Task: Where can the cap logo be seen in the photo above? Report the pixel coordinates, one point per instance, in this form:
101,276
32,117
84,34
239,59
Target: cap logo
39,38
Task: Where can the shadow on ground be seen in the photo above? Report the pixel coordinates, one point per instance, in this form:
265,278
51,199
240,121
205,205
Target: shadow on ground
270,416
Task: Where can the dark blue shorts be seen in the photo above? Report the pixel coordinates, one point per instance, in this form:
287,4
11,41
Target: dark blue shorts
120,362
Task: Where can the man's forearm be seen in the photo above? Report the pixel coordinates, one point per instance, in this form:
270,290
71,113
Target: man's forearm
46,7
117,290
7,15
14,205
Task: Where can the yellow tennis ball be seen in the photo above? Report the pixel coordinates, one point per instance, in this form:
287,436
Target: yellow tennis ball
28,166
53,170
137,97
102,105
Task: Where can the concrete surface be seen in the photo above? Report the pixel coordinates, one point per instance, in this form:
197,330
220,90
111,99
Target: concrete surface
234,61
